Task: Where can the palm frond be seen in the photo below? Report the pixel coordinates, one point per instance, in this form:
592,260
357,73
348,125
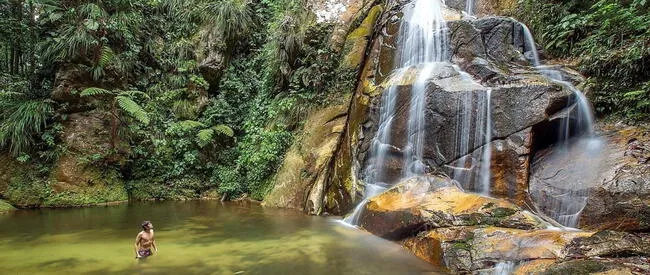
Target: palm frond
229,19
21,120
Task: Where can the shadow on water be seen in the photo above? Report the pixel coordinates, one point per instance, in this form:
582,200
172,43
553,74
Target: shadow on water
205,237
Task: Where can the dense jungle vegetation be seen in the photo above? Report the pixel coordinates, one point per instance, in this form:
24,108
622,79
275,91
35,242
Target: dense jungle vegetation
609,41
176,129
206,95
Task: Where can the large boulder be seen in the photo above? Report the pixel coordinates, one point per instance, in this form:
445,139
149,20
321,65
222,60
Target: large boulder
468,233
434,202
468,249
509,167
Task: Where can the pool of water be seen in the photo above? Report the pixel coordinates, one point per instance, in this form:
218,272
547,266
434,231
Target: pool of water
201,237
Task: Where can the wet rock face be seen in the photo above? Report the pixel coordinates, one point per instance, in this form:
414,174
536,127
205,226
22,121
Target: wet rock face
69,82
85,134
615,195
302,179
212,59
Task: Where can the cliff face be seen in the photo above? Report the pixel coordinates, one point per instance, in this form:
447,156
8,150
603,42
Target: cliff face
527,111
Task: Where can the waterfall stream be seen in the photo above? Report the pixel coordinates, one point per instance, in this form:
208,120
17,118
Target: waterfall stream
422,53
577,145
423,43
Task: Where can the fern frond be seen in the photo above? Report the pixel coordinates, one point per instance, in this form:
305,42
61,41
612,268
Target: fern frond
133,109
93,91
134,93
224,130
204,137
187,125
107,55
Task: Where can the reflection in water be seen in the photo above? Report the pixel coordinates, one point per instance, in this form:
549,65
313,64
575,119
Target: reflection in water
204,237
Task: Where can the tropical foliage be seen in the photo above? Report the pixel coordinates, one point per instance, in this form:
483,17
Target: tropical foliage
144,65
610,41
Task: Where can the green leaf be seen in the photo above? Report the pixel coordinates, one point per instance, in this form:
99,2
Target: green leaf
224,130
92,91
133,109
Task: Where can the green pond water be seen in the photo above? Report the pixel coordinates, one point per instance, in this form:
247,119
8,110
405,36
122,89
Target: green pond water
200,237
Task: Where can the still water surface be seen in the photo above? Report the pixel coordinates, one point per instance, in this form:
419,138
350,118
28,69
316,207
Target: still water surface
201,237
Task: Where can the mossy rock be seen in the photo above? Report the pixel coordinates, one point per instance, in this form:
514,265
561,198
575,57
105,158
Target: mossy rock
159,189
6,207
29,190
87,196
300,182
357,41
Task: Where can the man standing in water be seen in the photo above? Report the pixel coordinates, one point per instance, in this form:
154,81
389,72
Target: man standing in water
145,241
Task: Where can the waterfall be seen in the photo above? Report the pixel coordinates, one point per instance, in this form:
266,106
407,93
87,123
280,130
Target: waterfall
484,173
469,7
577,145
530,46
473,130
504,268
423,42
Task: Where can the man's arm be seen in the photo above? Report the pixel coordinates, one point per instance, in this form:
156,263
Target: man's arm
137,244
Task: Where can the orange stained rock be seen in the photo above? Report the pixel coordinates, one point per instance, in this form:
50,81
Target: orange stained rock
447,199
533,267
527,244
391,201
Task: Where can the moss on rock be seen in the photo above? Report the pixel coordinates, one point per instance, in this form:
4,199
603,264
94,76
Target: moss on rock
6,207
357,41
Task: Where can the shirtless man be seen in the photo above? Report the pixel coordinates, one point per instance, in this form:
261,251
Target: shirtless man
145,241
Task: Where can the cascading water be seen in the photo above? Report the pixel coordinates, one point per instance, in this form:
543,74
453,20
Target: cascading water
577,145
473,129
530,50
484,173
469,7
422,43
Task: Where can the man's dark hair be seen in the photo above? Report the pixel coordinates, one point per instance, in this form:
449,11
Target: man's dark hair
145,224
